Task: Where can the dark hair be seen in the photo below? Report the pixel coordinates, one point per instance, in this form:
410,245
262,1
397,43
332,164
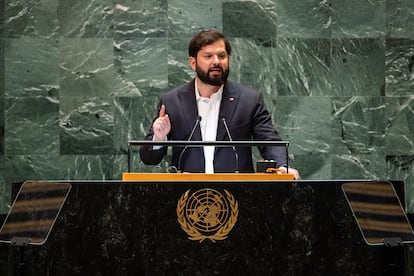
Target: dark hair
206,37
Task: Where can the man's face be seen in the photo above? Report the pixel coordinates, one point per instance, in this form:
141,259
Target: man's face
212,63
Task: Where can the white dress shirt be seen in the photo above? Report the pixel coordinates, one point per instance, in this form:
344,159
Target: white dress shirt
208,109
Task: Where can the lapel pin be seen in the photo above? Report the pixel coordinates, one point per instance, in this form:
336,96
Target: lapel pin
231,99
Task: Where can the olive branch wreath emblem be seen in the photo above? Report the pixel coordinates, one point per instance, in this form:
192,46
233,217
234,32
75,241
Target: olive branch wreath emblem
196,235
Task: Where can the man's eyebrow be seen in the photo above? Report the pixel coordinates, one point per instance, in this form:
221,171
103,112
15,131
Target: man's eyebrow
211,52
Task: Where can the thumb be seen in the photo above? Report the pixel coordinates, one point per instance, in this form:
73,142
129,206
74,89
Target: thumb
167,119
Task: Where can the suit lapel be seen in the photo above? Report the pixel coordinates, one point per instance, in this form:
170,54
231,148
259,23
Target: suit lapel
229,101
189,108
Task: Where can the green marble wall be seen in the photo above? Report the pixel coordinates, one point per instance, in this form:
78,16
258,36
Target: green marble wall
81,78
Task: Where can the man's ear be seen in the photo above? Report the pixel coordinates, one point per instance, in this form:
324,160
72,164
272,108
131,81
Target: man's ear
192,61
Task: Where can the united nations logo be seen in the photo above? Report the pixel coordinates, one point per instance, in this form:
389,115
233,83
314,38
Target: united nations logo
207,214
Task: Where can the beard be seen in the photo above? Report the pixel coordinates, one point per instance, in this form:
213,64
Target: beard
204,76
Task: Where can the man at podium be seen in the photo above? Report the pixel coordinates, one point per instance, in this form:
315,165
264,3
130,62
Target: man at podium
212,108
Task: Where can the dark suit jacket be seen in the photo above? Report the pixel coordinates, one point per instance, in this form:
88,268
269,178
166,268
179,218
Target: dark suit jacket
246,117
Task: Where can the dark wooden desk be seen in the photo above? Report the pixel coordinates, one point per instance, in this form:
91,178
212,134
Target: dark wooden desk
282,228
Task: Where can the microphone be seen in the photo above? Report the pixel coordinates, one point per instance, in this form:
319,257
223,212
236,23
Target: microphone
197,123
236,155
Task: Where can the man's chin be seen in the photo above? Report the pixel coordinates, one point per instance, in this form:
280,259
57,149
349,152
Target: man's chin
215,82
212,80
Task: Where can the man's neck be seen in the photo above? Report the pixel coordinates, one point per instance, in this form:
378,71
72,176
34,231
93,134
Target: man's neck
206,90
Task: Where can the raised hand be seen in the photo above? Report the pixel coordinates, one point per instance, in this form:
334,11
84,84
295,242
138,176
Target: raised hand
161,125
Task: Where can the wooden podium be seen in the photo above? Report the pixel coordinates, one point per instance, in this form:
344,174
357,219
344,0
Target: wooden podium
206,177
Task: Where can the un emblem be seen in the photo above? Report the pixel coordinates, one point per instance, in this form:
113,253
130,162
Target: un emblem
207,214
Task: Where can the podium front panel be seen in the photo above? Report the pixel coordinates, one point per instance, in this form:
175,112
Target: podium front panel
209,228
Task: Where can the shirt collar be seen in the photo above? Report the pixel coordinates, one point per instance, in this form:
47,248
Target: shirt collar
215,97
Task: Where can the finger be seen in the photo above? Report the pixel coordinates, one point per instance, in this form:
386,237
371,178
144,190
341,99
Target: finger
167,120
162,111
282,169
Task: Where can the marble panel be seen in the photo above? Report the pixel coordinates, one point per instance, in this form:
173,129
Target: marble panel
32,18
313,165
399,62
34,126
303,67
400,126
141,66
86,67
179,70
360,124
186,19
253,63
31,68
120,165
400,18
86,125
2,88
4,189
85,19
19,168
367,20
2,126
145,18
358,67
133,117
2,19
304,19
259,19
89,167
402,168
358,166
296,121
2,67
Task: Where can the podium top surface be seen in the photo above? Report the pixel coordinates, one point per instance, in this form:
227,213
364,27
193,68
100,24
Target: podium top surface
205,177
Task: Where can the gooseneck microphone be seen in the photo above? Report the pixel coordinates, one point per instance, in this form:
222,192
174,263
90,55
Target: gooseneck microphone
236,155
196,124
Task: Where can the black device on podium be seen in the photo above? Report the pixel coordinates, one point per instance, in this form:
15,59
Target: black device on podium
32,216
378,213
